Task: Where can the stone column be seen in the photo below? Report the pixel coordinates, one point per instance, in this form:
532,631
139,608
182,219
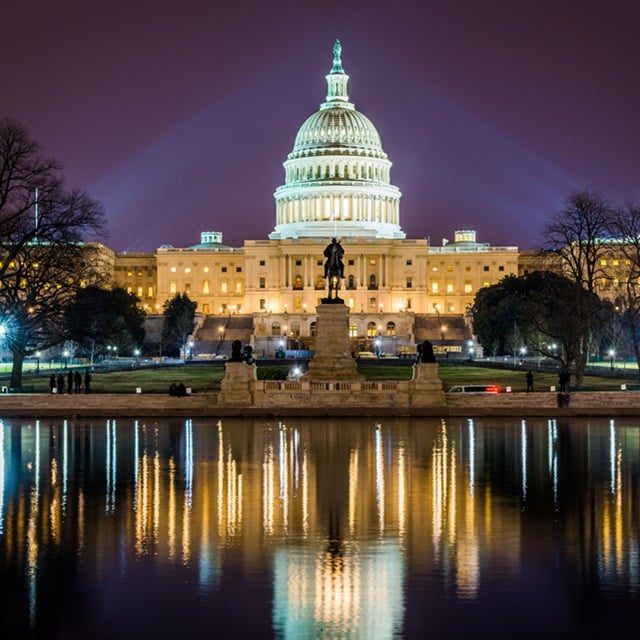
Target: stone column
425,387
237,385
332,356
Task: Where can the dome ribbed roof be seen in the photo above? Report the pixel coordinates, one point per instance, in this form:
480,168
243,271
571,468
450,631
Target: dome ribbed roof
337,128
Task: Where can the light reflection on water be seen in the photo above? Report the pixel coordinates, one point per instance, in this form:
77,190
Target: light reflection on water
310,528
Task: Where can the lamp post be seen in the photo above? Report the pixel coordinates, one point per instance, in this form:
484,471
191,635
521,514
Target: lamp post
612,356
443,331
191,344
65,355
37,355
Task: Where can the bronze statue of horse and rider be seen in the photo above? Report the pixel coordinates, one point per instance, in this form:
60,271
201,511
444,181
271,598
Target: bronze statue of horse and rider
333,270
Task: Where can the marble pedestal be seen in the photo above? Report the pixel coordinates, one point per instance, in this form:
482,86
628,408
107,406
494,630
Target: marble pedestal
425,388
237,386
332,354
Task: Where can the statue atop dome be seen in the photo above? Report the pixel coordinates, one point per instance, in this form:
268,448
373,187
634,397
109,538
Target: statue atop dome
337,57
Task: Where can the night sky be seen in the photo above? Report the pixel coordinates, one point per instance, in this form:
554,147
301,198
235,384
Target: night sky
178,115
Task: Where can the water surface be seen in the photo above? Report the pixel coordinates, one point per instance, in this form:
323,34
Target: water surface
319,528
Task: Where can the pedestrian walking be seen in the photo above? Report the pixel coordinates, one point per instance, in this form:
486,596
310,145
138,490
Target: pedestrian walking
529,378
70,382
60,383
87,381
77,381
52,383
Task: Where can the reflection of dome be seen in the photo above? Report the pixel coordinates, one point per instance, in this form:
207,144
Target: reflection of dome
337,177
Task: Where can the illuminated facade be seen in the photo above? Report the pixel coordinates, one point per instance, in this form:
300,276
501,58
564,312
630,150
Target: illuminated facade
337,183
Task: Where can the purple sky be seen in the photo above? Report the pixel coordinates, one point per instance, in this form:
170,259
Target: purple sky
178,115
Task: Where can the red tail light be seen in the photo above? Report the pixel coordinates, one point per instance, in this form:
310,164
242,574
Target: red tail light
493,389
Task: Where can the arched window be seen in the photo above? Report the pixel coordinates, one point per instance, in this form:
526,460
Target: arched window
391,328
373,281
297,282
353,331
205,287
319,282
351,282
372,329
295,329
275,329
260,329
312,329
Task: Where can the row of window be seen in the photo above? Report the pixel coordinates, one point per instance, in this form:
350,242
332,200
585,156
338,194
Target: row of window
320,172
205,269
206,288
486,267
140,292
373,329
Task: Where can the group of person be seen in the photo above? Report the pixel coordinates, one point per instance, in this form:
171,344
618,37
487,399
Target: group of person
75,382
177,389
564,379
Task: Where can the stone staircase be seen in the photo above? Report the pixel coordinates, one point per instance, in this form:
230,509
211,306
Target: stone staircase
217,333
430,328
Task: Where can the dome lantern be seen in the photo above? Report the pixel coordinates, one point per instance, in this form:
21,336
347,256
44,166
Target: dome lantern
337,81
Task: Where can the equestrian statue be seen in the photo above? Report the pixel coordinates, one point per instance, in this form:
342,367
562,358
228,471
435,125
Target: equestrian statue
333,269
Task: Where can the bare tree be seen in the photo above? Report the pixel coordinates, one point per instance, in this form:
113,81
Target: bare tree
626,226
580,237
43,260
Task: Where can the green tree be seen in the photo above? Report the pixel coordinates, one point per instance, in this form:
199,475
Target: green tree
542,306
179,321
101,317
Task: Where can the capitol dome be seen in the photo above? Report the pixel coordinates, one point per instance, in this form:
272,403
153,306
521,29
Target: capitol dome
337,177
337,129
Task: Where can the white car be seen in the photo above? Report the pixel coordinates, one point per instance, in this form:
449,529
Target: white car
475,388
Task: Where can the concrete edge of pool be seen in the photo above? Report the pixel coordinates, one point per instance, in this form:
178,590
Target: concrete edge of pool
543,404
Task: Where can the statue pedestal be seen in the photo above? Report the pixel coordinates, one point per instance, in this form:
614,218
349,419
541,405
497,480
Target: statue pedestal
237,384
425,387
332,354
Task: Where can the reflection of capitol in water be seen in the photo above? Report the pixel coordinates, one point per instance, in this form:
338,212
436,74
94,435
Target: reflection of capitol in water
338,514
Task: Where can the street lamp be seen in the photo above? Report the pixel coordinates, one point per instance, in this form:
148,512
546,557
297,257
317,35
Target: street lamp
65,355
191,343
612,355
37,355
443,331
378,344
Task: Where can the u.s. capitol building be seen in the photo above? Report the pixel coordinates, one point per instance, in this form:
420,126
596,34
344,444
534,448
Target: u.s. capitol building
337,184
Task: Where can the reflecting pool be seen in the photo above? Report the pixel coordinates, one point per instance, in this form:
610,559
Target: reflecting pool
332,528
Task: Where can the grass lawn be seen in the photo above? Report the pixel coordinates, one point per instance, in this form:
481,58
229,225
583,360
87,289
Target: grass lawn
205,376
